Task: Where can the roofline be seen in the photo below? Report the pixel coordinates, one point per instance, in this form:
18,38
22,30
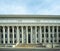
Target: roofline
30,16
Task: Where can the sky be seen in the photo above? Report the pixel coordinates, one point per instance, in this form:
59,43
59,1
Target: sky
39,7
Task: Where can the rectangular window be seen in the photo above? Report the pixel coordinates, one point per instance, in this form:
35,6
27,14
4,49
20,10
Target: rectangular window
20,41
2,41
29,38
51,29
11,41
42,29
29,30
10,35
43,35
47,35
37,35
5,41
54,40
20,30
59,29
42,40
46,29
6,29
59,41
54,35
14,30
47,41
51,41
20,35
51,35
1,35
10,29
59,34
55,30
5,35
15,41
14,35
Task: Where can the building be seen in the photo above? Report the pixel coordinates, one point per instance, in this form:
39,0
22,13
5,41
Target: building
30,29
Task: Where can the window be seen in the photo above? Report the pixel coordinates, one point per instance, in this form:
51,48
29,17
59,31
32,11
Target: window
10,35
1,35
20,35
51,28
51,41
15,41
29,30
46,29
51,35
42,40
5,29
20,41
10,29
37,29
14,35
37,35
47,35
55,30
54,40
33,27
5,35
37,41
2,41
15,29
29,38
59,40
59,29
42,35
59,34
11,42
42,29
47,41
5,41
20,30
54,35
1,30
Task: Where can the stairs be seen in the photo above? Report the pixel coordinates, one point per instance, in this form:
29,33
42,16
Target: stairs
30,45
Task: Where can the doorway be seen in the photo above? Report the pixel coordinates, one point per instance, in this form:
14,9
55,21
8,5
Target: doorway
29,38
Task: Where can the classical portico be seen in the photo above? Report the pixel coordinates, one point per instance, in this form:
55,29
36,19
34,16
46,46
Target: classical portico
29,29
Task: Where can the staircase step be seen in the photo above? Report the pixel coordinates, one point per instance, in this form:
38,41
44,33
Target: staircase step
29,45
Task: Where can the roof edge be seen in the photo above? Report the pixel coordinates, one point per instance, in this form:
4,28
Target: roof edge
40,16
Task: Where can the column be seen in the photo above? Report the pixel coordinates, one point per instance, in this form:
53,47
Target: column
49,33
44,34
40,35
31,35
36,34
17,34
22,34
13,33
4,34
53,34
8,35
57,34
27,33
